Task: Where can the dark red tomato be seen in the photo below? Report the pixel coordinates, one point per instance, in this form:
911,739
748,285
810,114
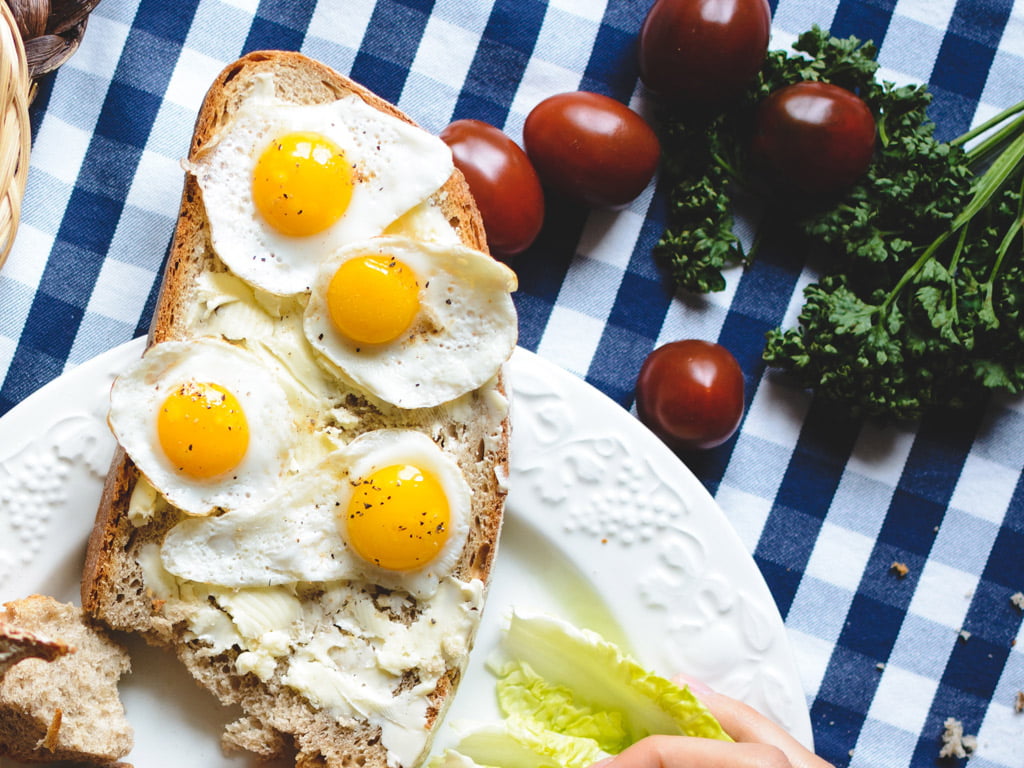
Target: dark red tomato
690,394
591,148
817,137
503,182
703,51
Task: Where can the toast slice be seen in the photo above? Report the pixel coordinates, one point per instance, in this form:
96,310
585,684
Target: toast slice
58,686
124,584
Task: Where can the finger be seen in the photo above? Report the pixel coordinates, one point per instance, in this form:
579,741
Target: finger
746,724
687,752
743,722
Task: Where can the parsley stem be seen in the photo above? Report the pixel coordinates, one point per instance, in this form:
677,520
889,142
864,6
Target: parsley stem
958,250
995,142
883,131
990,123
916,267
984,188
992,180
953,264
725,166
1004,246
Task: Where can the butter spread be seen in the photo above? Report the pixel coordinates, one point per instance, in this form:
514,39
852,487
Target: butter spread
142,506
354,668
424,222
342,652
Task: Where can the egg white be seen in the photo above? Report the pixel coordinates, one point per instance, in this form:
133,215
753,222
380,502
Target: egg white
296,536
397,165
465,331
138,393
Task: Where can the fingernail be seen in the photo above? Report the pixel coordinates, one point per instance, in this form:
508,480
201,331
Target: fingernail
697,687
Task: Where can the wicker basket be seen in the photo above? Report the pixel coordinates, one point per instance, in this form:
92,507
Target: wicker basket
36,37
15,132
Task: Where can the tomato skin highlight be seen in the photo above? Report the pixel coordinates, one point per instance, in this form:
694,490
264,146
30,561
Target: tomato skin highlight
591,148
703,51
690,394
504,184
817,137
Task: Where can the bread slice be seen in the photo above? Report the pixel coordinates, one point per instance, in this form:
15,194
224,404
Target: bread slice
59,699
122,588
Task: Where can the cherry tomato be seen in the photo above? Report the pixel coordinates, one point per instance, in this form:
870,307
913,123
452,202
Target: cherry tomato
591,148
703,51
817,137
690,394
503,182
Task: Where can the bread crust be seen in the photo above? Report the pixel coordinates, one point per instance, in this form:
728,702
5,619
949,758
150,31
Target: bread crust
113,588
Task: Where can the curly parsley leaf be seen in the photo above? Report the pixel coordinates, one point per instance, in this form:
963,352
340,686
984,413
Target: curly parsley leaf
921,306
943,324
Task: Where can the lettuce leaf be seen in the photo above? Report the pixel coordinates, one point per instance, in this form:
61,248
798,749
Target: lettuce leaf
521,743
570,698
524,694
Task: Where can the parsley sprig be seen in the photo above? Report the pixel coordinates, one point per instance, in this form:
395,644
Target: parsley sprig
921,304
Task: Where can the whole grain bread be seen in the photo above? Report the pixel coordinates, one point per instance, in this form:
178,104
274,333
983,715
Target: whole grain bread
277,720
58,685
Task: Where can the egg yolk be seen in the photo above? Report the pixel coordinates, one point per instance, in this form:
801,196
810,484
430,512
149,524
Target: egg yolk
398,518
302,183
203,430
373,299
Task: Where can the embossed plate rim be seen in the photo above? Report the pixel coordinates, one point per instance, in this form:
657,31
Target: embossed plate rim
592,575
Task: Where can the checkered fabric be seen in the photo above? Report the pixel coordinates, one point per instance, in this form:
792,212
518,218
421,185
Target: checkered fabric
824,504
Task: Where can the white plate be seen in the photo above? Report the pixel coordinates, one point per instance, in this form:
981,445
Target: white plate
605,526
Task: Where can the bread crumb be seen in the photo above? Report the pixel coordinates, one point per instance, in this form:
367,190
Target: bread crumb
880,666
1018,601
900,569
964,635
954,742
1018,704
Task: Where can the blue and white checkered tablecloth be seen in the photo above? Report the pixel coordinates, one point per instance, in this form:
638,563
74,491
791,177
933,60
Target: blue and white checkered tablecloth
825,505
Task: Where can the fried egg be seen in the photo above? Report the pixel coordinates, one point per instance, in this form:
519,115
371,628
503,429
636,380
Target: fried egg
390,509
284,182
206,423
415,324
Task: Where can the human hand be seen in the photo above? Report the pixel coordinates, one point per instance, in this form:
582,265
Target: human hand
760,743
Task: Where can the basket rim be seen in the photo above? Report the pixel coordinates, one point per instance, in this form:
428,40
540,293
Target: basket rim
15,128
